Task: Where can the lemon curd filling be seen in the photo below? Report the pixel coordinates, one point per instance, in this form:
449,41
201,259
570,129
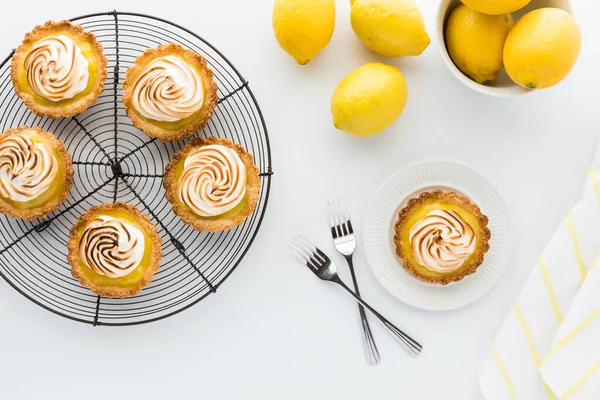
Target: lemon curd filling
133,278
170,126
86,50
53,190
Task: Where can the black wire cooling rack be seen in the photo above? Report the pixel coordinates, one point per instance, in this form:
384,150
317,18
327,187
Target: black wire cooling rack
114,161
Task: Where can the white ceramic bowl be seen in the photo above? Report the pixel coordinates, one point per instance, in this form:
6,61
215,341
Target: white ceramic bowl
503,86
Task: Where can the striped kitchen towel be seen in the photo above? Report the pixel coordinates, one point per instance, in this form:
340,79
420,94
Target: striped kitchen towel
512,369
573,362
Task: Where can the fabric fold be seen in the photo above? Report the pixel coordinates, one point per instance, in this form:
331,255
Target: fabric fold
571,366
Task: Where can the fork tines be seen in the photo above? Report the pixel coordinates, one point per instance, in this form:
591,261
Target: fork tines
339,219
309,254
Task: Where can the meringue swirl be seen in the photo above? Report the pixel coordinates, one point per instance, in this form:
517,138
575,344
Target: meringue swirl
27,168
56,69
168,89
442,241
111,247
213,180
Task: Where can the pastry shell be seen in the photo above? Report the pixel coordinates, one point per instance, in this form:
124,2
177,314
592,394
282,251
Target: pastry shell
73,248
58,110
253,185
202,116
63,157
483,236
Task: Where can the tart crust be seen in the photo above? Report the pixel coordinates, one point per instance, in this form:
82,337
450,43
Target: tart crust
63,157
59,110
483,236
73,247
202,116
253,185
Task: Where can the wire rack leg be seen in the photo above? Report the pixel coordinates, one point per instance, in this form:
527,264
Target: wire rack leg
116,188
268,173
242,87
96,322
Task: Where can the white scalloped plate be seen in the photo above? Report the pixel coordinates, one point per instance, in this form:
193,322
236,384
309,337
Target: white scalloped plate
381,217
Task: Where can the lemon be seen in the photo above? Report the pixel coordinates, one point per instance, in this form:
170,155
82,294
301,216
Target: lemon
475,42
369,99
496,7
392,28
303,27
542,48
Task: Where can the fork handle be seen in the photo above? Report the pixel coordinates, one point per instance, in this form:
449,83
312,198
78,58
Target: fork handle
411,345
371,351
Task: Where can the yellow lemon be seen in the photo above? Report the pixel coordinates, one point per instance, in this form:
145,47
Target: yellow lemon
303,27
392,28
542,48
496,7
475,42
369,99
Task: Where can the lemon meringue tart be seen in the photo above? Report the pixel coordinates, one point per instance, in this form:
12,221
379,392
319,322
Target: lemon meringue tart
212,184
36,173
114,250
441,237
59,69
169,92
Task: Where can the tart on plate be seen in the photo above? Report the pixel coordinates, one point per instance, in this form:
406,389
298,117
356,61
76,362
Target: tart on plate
59,69
36,173
169,92
114,250
441,237
212,184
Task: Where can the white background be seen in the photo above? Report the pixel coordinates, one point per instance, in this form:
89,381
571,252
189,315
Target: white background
273,331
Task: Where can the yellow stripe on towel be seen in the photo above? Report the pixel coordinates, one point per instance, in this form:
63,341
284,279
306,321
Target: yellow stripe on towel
531,342
597,260
565,340
550,290
575,241
594,181
586,377
504,373
527,332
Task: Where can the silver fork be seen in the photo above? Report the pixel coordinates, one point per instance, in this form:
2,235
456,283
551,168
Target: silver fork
325,269
345,242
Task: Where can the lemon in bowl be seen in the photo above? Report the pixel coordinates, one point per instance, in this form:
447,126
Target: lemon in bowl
496,7
475,42
369,99
542,48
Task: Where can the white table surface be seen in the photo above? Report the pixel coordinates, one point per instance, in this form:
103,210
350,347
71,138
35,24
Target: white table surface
273,331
